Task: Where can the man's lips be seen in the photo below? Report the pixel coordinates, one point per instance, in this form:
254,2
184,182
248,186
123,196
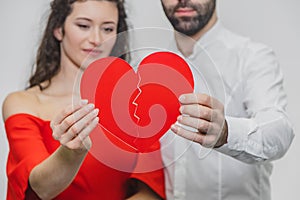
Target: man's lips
185,12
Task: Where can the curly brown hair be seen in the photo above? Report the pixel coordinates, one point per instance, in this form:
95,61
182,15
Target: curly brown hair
48,55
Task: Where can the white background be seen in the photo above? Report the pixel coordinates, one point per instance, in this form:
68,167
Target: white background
273,22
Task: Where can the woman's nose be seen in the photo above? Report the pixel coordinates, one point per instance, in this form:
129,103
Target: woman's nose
96,37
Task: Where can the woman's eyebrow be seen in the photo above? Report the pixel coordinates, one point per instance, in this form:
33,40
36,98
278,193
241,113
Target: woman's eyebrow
90,20
83,18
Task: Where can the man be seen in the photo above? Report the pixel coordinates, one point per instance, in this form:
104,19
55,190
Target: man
237,113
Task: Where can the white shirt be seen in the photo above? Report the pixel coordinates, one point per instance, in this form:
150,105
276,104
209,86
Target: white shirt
246,77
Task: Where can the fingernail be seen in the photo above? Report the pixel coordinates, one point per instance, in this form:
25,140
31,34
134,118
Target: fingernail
181,109
181,98
174,128
179,118
84,101
90,106
96,111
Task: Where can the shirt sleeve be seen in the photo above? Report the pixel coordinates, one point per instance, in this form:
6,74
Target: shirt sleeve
266,133
25,141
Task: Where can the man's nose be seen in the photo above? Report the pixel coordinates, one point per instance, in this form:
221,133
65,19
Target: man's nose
183,2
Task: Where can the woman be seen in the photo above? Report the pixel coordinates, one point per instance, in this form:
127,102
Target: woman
48,133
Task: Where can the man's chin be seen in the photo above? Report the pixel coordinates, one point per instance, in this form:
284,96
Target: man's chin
187,31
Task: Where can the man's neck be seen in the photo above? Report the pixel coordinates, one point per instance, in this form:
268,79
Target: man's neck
186,44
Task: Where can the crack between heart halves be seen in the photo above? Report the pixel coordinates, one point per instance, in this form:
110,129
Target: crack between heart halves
136,105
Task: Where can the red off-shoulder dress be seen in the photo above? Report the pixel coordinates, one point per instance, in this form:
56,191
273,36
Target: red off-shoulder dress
30,142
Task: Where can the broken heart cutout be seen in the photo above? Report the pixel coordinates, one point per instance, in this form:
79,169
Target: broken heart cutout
136,108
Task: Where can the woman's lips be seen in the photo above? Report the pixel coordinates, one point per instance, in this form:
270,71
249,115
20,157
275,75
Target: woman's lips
92,52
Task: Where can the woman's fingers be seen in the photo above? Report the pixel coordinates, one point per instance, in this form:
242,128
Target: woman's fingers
69,121
66,112
83,135
66,123
78,126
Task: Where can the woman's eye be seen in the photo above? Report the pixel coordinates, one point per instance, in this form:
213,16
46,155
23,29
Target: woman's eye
83,26
108,29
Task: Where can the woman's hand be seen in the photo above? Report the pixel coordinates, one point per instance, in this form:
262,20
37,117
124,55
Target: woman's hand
72,126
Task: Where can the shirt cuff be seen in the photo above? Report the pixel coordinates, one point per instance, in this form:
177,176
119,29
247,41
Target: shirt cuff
239,130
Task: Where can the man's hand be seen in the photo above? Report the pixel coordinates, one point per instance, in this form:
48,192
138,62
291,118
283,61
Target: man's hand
206,115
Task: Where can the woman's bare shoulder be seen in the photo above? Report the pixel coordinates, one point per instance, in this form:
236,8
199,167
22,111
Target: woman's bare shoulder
20,102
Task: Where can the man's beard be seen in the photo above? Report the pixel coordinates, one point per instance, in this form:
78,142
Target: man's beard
190,25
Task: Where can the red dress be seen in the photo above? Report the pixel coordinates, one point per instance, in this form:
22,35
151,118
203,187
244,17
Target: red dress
30,141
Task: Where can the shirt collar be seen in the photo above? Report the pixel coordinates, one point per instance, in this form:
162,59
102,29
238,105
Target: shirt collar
212,34
209,37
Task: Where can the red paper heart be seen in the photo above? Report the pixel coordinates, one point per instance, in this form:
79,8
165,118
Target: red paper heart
137,108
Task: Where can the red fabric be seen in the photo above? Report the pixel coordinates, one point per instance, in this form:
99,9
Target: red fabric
153,178
30,142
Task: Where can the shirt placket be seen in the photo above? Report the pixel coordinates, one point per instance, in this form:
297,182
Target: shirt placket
180,170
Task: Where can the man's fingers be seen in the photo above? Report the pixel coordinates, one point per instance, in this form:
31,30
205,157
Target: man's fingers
205,140
202,99
198,111
193,136
202,126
